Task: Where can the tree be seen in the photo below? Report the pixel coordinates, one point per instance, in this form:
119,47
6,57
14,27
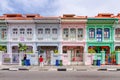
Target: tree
3,48
22,47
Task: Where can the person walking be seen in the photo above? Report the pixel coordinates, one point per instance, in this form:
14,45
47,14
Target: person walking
25,57
41,61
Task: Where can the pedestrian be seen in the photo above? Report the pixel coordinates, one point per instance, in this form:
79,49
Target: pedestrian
25,57
41,61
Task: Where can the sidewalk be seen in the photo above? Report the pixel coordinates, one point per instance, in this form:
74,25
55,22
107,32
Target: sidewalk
61,68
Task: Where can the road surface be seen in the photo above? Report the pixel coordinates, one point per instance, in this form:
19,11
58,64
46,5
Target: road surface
59,75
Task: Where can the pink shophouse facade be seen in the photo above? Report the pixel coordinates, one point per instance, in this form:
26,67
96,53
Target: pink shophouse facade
73,37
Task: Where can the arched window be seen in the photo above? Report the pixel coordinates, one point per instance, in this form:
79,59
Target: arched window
80,33
40,31
4,33
22,31
29,31
65,32
47,31
72,31
54,31
99,34
106,33
91,33
15,31
117,32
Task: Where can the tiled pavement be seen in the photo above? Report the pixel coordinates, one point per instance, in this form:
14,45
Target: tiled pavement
61,68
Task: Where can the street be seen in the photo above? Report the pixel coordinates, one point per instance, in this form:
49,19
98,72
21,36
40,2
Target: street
57,75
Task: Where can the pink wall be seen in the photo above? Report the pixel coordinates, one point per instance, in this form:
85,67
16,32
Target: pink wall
75,25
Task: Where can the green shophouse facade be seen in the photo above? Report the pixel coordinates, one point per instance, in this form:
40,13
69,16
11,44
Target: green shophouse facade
100,34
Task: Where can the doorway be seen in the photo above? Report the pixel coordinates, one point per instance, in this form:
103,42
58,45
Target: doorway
76,53
46,52
108,56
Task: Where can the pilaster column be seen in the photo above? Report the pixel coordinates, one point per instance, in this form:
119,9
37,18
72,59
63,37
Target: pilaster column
9,48
60,33
8,33
85,54
102,34
34,33
103,57
34,47
76,35
60,49
114,35
69,57
118,57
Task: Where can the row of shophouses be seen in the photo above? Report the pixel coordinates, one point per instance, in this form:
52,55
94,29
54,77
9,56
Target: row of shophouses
65,34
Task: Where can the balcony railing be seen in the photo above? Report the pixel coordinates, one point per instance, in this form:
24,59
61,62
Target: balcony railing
47,37
106,39
21,37
29,37
40,37
80,39
14,37
54,37
91,39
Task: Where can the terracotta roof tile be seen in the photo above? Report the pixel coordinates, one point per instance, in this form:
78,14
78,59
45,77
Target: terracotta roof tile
2,17
104,15
73,16
32,15
41,17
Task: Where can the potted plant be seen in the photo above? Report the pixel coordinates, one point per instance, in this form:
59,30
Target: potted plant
91,54
91,51
22,49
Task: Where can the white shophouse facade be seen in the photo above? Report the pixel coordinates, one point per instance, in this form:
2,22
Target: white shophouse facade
48,37
21,31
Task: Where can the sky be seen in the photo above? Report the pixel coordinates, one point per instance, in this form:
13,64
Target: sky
60,7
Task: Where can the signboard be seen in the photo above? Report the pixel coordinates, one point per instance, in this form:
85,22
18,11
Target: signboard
6,59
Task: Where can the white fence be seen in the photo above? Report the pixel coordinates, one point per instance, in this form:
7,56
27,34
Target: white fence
16,58
64,57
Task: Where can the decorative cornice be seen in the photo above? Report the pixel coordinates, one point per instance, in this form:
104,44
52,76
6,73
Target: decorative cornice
20,21
47,21
73,21
101,20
